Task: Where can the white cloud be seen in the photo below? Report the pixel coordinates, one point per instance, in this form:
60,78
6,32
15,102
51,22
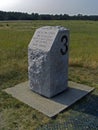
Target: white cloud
51,6
4,4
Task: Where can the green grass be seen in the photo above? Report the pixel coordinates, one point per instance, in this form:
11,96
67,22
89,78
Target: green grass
14,39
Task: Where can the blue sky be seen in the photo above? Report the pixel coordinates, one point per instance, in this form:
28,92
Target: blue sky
71,7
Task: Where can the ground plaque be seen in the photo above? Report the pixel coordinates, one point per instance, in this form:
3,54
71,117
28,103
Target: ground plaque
48,60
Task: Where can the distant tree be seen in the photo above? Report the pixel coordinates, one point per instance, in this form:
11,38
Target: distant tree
36,16
45,17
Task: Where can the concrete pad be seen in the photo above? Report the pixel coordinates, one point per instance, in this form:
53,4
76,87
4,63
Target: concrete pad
49,106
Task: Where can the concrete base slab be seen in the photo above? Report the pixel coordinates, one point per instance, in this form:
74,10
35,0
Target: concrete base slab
49,106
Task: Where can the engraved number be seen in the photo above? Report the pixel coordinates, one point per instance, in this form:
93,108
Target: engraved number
64,40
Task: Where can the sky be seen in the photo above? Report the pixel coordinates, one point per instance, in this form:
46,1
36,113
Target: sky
71,7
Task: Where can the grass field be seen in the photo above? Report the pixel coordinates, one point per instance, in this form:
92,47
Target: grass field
14,39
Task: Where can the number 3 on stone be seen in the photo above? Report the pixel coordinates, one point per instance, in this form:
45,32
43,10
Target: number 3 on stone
64,40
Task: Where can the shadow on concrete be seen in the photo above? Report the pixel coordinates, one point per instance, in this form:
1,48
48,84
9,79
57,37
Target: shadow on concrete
84,115
89,104
69,96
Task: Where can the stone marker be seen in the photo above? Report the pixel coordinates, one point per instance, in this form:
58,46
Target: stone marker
48,60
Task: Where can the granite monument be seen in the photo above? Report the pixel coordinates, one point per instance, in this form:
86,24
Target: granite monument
48,60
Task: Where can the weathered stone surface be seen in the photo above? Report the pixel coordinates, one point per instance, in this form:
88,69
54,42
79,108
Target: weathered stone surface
48,60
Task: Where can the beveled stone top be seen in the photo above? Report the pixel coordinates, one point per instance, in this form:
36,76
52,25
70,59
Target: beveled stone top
44,37
53,28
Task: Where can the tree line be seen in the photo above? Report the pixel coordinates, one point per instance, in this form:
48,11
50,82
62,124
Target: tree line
35,16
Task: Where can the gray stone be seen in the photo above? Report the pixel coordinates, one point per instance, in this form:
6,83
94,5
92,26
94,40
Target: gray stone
48,60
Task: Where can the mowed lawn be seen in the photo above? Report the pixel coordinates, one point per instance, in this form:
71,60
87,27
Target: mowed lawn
14,39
